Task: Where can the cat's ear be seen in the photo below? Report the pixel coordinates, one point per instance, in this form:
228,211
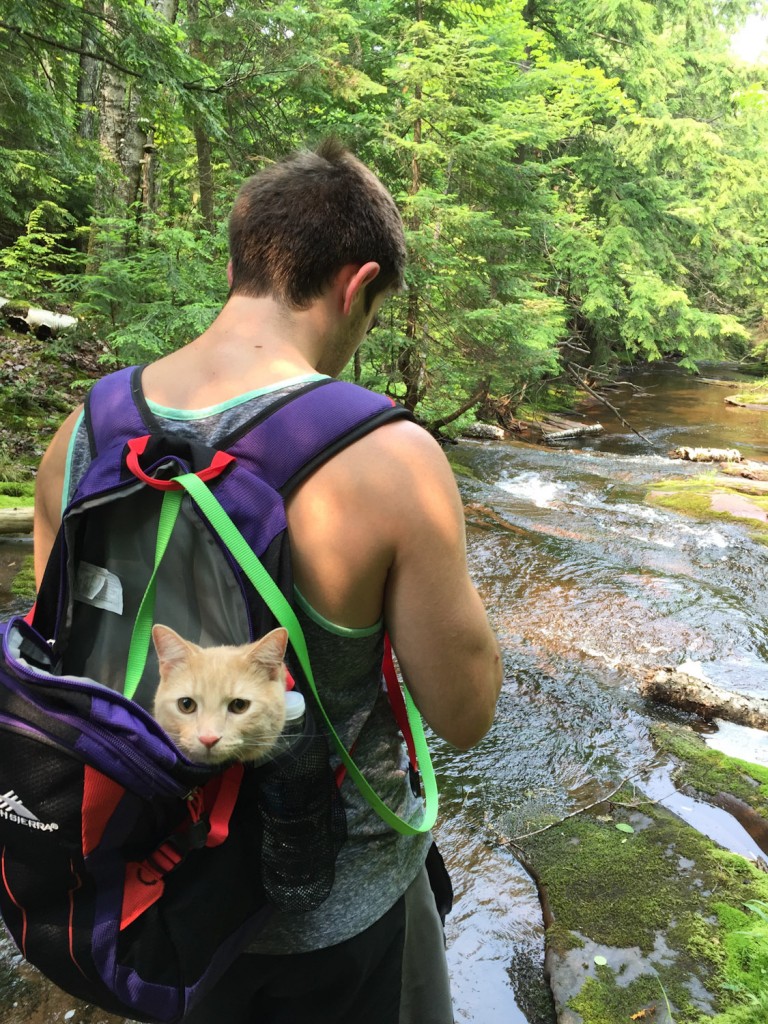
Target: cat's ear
172,650
269,651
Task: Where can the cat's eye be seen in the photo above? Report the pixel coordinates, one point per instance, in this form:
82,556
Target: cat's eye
238,705
186,705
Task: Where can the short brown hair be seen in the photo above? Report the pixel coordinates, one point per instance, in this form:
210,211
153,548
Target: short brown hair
298,222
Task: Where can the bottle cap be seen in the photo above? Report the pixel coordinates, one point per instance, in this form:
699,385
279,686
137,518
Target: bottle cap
294,706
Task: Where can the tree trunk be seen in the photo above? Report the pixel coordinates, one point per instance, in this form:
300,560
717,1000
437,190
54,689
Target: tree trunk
90,74
704,699
412,362
121,137
202,140
125,137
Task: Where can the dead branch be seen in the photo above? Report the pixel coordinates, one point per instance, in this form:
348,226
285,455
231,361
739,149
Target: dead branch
480,393
582,383
514,841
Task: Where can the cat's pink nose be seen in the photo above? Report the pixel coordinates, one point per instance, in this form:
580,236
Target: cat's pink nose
209,741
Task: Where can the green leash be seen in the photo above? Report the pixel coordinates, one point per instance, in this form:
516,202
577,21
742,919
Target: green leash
275,600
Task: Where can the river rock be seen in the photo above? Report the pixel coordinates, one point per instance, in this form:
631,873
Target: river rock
629,893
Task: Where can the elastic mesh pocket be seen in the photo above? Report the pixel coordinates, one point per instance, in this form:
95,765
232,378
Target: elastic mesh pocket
304,826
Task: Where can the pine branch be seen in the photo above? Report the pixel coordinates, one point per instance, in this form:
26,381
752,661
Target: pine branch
80,51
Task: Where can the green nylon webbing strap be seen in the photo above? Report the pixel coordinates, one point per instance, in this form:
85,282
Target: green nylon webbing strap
285,615
142,627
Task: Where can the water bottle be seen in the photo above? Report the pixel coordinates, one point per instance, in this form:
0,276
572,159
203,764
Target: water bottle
302,818
295,716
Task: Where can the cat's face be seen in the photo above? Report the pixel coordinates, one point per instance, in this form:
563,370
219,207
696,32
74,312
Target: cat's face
221,704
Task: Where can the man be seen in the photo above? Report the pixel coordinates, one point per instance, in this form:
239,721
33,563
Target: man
377,539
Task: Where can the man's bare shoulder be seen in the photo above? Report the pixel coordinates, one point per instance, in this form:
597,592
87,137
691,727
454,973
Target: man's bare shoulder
405,449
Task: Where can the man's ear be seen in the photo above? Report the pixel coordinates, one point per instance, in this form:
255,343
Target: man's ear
230,275
355,280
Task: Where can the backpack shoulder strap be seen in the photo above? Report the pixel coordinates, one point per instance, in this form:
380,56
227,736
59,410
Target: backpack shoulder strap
115,410
293,439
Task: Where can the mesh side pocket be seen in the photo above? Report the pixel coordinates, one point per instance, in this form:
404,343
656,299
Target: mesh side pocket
304,825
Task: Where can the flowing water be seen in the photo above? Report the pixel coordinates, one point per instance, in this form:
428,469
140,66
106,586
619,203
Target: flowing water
588,587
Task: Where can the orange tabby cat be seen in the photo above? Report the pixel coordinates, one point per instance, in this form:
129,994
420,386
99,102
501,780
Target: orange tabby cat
221,704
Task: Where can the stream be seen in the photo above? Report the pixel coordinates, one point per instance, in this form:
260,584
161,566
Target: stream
588,587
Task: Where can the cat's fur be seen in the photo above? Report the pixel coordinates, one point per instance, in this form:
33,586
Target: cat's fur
221,704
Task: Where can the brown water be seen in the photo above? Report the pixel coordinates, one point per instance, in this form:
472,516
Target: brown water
588,587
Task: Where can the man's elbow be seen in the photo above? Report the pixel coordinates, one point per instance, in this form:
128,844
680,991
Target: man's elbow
472,722
469,734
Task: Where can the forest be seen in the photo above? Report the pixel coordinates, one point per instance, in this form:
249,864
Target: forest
582,181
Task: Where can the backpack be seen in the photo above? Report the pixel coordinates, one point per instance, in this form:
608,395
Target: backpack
130,876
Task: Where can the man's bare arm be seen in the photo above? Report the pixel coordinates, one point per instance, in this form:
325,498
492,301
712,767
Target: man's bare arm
440,631
49,485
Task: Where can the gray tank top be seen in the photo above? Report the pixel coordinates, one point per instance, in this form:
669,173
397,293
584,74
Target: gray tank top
376,865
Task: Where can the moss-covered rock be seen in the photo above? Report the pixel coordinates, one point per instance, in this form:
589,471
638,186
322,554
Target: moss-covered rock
17,494
715,496
711,772
640,905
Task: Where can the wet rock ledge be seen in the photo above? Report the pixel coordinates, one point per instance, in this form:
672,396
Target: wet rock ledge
648,920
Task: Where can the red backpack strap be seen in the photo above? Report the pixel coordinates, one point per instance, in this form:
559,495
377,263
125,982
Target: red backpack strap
397,703
210,811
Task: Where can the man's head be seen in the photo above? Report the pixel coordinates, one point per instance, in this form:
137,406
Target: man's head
298,222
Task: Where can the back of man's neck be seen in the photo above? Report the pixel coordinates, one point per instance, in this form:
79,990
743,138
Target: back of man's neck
252,344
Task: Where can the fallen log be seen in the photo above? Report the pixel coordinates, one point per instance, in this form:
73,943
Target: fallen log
702,698
44,323
576,430
15,521
706,454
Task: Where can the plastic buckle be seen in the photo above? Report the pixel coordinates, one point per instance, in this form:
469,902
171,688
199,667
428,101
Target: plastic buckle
414,777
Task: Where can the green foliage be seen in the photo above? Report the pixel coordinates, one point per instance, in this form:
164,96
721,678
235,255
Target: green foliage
158,293
579,181
746,949
42,264
23,583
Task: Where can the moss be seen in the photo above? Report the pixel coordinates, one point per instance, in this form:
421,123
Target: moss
23,583
604,1000
710,771
745,1013
636,880
745,948
16,502
692,496
626,891
561,939
17,494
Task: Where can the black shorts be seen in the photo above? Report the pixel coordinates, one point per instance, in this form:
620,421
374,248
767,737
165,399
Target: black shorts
394,972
